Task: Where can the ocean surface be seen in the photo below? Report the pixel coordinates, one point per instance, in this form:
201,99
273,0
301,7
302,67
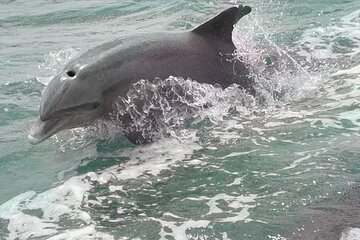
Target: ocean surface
285,165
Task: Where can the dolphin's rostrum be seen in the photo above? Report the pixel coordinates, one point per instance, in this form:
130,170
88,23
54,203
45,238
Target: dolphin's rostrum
88,86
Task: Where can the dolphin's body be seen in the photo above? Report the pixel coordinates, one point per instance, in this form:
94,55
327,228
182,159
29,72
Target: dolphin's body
88,86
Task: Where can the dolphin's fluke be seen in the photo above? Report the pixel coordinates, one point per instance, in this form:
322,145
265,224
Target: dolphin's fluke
221,26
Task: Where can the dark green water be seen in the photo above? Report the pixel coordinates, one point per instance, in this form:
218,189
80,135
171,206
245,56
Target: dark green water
284,169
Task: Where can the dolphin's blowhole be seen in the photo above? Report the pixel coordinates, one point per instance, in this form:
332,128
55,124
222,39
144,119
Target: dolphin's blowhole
71,73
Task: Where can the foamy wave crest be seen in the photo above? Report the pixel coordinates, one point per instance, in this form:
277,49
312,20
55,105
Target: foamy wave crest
339,41
280,76
76,209
156,107
337,46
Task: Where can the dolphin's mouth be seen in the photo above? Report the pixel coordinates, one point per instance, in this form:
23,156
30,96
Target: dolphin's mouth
42,130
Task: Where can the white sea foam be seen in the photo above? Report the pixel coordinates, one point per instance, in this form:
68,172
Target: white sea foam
350,234
238,205
235,203
297,162
39,215
237,181
178,230
236,154
88,233
314,42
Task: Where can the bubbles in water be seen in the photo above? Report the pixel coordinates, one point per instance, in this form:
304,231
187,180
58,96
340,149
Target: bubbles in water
339,40
280,74
156,108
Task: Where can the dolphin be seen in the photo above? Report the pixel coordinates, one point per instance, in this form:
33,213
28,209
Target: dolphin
87,87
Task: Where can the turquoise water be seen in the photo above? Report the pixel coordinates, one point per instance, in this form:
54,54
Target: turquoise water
280,168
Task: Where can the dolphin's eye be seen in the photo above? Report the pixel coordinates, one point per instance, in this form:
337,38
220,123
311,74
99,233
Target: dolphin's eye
71,73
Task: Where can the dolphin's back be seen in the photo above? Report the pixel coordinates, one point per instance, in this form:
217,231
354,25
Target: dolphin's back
184,55
150,56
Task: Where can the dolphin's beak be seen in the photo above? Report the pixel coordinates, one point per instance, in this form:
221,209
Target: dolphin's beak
41,130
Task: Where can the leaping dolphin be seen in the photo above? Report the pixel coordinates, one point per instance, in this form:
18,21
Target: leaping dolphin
85,90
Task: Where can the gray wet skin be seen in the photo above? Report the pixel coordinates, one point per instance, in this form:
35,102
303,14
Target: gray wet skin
87,87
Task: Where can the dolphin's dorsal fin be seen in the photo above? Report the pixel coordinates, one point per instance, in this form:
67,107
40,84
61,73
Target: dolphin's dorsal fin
221,26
